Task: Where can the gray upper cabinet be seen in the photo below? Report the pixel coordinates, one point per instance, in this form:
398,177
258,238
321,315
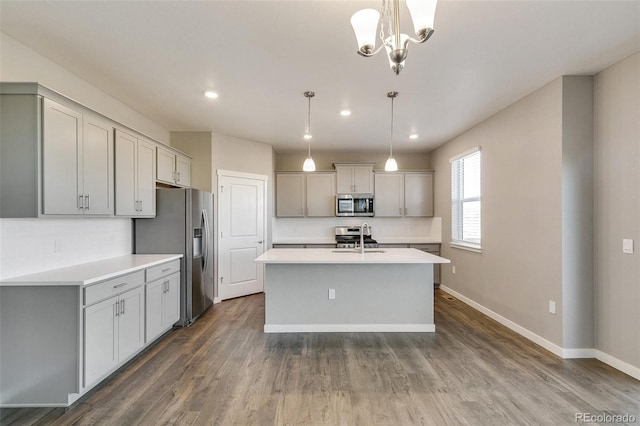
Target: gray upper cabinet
54,159
135,176
407,194
77,162
301,194
354,178
173,168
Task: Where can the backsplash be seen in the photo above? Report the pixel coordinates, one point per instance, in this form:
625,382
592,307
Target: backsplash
35,245
383,229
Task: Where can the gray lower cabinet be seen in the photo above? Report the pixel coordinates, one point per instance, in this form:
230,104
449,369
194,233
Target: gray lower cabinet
163,305
429,248
113,331
60,337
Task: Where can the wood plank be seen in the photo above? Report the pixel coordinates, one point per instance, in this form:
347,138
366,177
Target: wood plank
225,370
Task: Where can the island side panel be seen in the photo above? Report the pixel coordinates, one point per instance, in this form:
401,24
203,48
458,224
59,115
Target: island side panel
39,332
369,297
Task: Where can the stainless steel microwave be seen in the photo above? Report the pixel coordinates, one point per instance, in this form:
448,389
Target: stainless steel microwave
354,205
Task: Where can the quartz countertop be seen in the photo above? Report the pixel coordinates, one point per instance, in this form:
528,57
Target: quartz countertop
348,256
90,273
310,241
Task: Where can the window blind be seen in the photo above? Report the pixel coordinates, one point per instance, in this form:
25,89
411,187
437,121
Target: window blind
466,199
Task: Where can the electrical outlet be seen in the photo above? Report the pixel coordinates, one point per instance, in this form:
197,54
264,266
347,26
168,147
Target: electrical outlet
627,246
453,269
332,293
552,307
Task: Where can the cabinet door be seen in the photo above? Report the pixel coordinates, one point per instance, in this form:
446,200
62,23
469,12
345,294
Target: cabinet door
321,194
345,179
165,166
154,295
183,170
100,333
290,195
146,178
130,323
389,194
125,159
171,311
97,165
62,150
418,194
363,179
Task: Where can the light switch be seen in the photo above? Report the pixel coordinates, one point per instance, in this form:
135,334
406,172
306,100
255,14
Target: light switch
627,246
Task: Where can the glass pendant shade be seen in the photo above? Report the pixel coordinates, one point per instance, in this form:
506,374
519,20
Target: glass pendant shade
365,25
391,165
423,13
309,165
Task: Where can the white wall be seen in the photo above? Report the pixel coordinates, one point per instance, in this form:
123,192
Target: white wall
242,155
520,268
617,210
35,245
324,160
198,146
18,63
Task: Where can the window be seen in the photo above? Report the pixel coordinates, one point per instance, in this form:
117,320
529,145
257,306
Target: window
466,200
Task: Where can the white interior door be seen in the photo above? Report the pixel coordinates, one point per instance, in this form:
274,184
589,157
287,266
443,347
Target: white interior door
241,214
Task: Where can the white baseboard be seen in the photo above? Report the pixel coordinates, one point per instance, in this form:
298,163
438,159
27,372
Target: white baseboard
349,328
216,300
625,367
550,346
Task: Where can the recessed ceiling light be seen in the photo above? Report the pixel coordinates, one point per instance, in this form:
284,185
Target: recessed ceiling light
210,94
345,113
413,136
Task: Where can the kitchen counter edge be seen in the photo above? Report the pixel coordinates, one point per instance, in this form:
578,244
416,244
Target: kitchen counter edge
345,256
86,274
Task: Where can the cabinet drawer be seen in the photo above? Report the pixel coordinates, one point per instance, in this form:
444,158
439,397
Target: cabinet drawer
165,269
113,287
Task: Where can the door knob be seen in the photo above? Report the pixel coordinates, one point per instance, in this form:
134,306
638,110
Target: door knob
259,242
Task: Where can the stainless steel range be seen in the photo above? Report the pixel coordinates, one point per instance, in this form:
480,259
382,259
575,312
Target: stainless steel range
349,237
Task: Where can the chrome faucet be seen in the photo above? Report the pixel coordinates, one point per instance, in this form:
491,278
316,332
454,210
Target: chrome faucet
362,236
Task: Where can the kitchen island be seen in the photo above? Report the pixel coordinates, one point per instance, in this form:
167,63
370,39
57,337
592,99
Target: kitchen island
333,290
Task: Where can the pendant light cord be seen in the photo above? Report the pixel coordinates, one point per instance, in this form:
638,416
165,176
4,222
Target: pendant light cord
391,135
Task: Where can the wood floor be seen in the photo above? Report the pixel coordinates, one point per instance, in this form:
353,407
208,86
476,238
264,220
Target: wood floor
224,370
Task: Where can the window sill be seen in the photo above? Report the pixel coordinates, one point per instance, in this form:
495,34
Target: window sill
475,248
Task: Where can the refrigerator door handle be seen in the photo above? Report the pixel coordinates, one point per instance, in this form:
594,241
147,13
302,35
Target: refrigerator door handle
205,219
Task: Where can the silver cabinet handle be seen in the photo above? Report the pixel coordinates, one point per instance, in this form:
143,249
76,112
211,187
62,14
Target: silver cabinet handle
120,285
405,211
118,308
86,199
122,305
140,205
166,270
81,201
400,211
178,173
166,287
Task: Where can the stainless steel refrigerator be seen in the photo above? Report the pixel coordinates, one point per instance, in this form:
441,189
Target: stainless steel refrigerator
183,224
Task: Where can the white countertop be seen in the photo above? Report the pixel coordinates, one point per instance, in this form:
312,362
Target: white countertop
90,273
417,240
332,256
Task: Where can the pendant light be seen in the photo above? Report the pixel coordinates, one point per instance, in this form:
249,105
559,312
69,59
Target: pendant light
309,165
391,165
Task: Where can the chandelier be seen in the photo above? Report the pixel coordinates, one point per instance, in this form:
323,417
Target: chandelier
365,24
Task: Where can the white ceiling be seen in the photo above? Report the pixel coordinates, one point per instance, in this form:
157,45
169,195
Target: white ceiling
159,56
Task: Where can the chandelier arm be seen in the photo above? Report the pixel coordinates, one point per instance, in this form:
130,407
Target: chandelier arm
424,37
366,55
